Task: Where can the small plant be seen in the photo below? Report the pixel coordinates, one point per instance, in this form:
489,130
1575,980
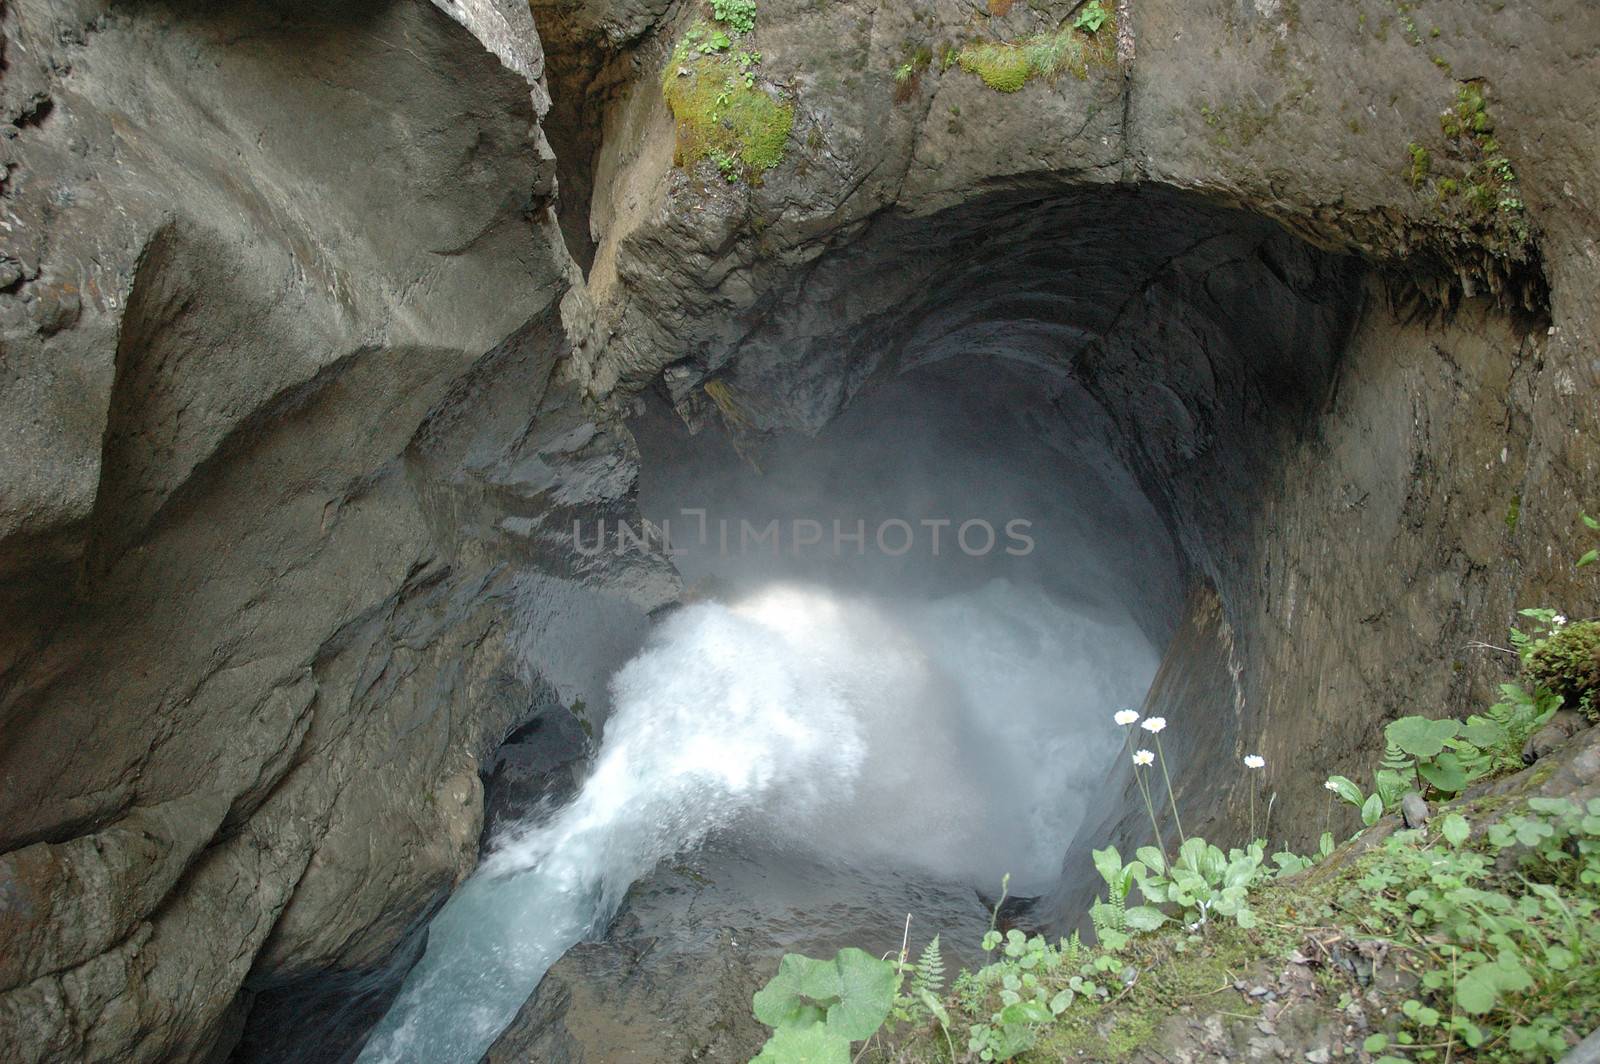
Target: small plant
1566,662
1092,16
1421,164
737,15
1006,66
1592,555
818,1008
1202,882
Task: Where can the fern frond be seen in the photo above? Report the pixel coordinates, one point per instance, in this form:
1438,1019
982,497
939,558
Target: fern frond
929,972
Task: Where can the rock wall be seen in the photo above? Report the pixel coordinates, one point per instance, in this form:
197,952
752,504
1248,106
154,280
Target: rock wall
285,469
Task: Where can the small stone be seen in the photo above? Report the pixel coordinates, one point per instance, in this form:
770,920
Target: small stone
1320,1055
1259,991
1414,810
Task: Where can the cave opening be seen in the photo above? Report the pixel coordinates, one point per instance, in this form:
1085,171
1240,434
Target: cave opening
943,505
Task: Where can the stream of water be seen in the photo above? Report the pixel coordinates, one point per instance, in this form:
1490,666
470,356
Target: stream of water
955,735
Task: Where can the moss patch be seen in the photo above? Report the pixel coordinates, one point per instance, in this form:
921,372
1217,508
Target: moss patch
1006,66
1568,664
723,114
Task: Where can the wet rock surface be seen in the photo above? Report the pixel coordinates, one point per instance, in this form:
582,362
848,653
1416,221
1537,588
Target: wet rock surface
673,979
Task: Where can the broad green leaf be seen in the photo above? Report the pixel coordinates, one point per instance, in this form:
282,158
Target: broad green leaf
1475,995
1152,858
1444,772
1325,845
1191,855
1419,736
1144,918
1347,790
1240,872
804,1045
1061,1002
1025,1012
1108,862
851,994
1376,1043
1372,810
1483,733
1589,558
1455,829
1245,918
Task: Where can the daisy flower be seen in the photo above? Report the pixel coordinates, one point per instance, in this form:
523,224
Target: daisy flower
1254,761
1143,757
1125,717
1154,724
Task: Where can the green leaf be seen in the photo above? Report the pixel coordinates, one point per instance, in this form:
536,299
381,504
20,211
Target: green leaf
804,1045
1325,844
1372,810
1347,790
1476,996
1144,918
1589,558
1375,1043
1026,1012
1419,736
1592,522
1444,772
1152,858
1108,862
851,994
1455,829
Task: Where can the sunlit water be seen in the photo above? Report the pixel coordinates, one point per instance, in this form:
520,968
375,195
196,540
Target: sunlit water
958,736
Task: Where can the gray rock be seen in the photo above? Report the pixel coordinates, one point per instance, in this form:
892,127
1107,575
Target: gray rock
1563,725
1413,810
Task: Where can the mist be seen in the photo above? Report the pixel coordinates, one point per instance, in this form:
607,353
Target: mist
937,711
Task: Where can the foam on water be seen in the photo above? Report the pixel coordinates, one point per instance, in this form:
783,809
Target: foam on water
956,736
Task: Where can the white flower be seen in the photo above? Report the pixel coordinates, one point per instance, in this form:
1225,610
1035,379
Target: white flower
1125,717
1254,761
1559,619
1143,757
1154,724
1329,785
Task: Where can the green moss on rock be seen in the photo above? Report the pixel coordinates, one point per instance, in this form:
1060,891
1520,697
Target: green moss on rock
1568,664
1006,66
722,114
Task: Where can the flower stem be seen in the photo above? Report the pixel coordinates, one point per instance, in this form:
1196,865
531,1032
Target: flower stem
1252,810
1144,789
1172,798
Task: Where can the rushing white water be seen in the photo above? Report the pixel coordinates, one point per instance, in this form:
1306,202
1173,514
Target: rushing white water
956,736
